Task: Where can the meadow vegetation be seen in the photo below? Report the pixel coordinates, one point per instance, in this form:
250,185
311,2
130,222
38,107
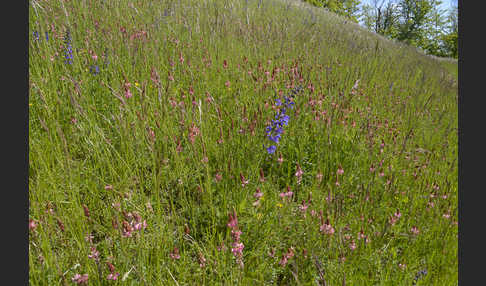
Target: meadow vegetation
149,160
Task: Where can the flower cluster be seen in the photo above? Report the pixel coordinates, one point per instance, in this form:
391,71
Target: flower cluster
237,246
69,49
135,224
275,130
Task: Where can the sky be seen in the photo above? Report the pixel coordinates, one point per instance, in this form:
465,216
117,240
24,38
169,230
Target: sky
446,4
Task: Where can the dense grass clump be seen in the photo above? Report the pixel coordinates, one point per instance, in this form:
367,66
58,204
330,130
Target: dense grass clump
149,160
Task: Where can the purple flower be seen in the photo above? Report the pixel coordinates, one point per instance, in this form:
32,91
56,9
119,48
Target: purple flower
271,149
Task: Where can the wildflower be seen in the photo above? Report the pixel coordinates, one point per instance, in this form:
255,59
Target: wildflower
127,229
95,254
218,177
89,238
340,171
258,193
69,50
275,130
237,245
94,69
262,176
175,254
414,230
80,279
298,174
232,221
319,177
244,181
113,276
286,256
352,245
202,260
47,36
327,228
419,275
193,132
108,187
303,207
271,149
32,224
86,211
36,35
126,86
60,224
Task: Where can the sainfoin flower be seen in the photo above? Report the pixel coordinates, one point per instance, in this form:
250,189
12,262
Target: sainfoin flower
237,246
80,279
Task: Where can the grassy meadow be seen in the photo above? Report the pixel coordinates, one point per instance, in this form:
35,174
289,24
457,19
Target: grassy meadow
150,161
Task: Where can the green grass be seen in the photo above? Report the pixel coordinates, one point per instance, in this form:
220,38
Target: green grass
367,102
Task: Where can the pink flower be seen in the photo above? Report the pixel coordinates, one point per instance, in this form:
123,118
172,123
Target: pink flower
352,245
235,234
233,221
299,173
237,249
113,276
108,187
218,177
304,206
80,279
95,254
175,253
327,228
227,83
414,230
244,182
340,171
32,224
258,194
287,256
319,177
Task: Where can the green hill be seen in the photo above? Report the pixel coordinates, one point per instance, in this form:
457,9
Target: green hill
150,154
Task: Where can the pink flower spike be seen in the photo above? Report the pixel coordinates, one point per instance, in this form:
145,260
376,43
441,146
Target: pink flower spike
299,171
95,254
244,181
113,276
340,171
233,221
415,230
108,187
175,253
32,224
80,279
258,194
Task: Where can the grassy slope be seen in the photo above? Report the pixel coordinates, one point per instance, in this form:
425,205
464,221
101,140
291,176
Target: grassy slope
400,118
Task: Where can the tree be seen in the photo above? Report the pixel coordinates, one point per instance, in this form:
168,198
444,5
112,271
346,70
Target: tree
449,39
413,18
381,17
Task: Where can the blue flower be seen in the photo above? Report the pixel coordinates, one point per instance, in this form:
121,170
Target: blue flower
69,50
275,130
94,69
271,149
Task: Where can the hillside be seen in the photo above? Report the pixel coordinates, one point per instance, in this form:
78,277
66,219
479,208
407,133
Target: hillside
234,143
